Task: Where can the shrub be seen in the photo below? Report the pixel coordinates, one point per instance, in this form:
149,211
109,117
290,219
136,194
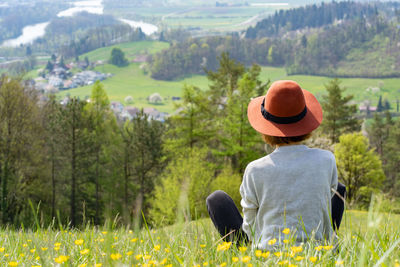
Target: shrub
229,182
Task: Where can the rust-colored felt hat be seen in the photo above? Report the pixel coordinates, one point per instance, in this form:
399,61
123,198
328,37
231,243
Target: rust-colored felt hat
286,110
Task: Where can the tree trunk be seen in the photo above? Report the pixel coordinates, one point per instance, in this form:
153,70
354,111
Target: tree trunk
4,193
96,218
73,167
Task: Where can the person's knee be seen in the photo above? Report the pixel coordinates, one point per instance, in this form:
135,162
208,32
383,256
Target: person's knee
216,197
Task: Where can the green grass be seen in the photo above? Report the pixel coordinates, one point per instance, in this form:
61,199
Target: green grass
364,240
132,81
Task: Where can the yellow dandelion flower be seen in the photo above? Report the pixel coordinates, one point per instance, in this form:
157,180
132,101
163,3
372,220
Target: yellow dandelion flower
235,259
246,259
115,256
21,255
283,262
85,251
141,241
318,248
205,263
242,249
101,240
353,237
166,250
79,242
164,261
196,265
285,241
168,265
147,257
61,259
130,231
292,265
37,258
115,237
313,259
286,231
24,245
299,258
82,265
265,254
129,253
224,246
222,264
36,266
29,240
272,241
56,248
328,247
202,245
258,253
157,247
104,232
6,255
44,249
133,240
138,256
2,249
396,264
339,262
249,265
278,254
297,249
152,262
57,244
13,263
98,265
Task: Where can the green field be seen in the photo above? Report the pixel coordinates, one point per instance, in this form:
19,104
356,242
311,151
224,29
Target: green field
364,239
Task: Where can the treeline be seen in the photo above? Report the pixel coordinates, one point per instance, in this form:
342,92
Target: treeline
13,19
311,16
77,164
359,47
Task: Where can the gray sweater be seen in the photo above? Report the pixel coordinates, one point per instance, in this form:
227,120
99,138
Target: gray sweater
289,188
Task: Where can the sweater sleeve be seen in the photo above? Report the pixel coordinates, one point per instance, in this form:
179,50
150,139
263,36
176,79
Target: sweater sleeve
249,204
334,181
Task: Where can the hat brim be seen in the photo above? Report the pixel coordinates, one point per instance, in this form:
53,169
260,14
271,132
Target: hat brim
306,125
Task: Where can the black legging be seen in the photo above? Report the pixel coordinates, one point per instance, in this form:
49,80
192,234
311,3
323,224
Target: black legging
228,221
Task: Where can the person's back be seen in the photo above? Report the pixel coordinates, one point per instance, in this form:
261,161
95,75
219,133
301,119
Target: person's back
289,188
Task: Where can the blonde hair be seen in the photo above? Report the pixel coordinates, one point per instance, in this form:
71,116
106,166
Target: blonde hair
277,140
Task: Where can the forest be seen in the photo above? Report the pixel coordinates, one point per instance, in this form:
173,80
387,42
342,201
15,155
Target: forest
75,164
350,40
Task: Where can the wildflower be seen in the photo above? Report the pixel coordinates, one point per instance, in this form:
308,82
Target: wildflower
339,262
147,257
168,265
299,258
313,259
98,265
22,255
37,258
292,265
283,262
246,259
141,241
44,249
265,254
318,248
205,263
258,253
79,242
164,261
224,246
235,259
249,265
242,249
272,241
129,253
278,254
196,265
6,255
285,241
24,245
2,249
115,256
133,240
56,248
327,247
101,240
286,231
138,256
61,259
57,244
166,250
222,264
202,245
104,232
36,266
13,263
157,247
83,265
85,251
116,237
130,231
296,249
28,240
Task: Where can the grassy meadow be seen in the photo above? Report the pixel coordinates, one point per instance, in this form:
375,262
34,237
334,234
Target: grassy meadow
365,239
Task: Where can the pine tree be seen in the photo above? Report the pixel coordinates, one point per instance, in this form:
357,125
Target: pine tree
339,114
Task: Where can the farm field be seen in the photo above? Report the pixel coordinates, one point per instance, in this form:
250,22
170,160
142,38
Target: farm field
365,239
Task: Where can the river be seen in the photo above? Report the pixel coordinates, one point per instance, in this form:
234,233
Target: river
32,32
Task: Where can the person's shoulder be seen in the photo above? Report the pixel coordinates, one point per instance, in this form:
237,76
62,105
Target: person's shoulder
257,164
322,153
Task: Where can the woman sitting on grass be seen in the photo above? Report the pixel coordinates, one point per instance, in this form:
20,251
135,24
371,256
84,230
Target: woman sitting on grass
293,187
